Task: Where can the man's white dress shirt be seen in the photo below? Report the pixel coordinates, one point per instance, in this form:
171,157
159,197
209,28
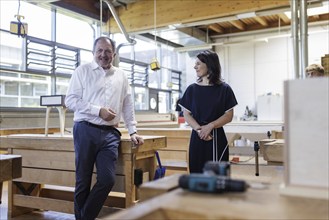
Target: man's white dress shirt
91,88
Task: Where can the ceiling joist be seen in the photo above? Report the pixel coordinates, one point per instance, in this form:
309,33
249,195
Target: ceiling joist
139,16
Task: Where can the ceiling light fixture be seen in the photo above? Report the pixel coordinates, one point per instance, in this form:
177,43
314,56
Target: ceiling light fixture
193,48
209,46
246,15
174,26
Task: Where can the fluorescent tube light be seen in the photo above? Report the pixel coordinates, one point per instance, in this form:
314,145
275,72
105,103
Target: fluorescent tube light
210,45
193,48
246,15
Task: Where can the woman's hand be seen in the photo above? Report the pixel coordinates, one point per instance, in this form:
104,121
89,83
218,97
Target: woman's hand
205,132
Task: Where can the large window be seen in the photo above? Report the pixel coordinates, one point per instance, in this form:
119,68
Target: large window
75,32
22,89
11,56
37,18
42,62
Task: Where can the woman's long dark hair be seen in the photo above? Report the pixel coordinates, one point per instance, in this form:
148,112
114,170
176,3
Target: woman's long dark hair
211,59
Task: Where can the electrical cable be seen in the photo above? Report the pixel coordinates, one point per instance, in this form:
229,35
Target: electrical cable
220,159
101,17
155,28
20,24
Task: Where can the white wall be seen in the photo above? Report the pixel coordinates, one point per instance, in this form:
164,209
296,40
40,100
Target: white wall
318,44
258,68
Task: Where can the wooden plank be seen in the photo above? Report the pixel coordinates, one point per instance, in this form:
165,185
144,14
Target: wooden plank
43,176
115,199
252,204
61,178
38,142
175,167
65,143
82,7
142,155
10,167
175,164
178,143
44,203
149,117
150,143
307,137
277,134
155,188
262,143
238,24
55,160
9,131
129,185
13,190
173,155
172,171
168,132
177,11
273,151
153,120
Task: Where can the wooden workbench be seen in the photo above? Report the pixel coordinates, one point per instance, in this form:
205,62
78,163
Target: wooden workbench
252,130
262,202
48,174
10,168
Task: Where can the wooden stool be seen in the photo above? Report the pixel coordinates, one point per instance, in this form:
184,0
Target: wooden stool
61,112
54,101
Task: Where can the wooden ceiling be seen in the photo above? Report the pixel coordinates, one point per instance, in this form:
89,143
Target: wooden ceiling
215,18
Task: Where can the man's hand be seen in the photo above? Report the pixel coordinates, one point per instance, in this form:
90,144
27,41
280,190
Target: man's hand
107,114
138,140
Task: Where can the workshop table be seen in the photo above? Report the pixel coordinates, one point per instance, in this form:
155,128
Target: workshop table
10,168
261,201
48,173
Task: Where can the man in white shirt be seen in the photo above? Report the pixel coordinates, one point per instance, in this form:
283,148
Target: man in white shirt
99,94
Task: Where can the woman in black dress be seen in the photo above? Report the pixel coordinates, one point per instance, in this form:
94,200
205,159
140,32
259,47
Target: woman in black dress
207,106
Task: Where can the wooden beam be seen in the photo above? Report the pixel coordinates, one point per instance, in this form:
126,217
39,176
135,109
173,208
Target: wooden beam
238,24
139,16
317,17
284,18
216,27
10,167
8,131
44,203
87,8
262,21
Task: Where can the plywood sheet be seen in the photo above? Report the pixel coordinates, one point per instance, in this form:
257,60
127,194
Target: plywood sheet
306,132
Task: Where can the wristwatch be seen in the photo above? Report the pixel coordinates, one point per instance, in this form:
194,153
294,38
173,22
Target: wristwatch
133,133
